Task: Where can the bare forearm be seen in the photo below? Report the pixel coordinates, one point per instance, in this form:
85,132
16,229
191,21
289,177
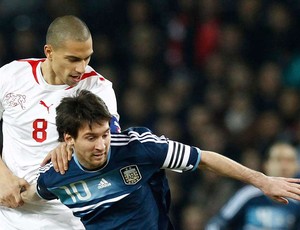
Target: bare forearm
277,188
229,168
4,171
11,186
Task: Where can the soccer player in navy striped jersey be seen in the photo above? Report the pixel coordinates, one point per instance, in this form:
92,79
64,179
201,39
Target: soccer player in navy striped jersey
106,184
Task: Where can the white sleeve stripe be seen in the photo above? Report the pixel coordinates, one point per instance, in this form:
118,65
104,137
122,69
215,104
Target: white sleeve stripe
177,156
45,168
187,150
90,208
174,156
180,155
121,139
169,155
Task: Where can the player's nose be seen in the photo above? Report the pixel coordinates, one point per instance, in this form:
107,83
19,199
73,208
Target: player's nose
80,67
100,144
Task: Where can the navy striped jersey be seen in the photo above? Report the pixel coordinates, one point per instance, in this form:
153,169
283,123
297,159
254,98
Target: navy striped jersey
118,195
250,209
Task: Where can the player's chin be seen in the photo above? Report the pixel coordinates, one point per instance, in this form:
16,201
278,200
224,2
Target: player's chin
98,160
72,83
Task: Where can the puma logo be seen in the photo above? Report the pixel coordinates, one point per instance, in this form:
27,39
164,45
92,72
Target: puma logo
45,105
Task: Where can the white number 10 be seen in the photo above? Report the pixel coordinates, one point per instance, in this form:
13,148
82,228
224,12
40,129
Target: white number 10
87,194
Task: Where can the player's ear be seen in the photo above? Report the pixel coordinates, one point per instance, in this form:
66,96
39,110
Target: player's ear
48,51
69,139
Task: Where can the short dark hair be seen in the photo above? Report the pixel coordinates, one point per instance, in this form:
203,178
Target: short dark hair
74,112
65,28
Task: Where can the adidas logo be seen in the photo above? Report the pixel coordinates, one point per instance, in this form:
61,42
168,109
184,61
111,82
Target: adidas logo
103,184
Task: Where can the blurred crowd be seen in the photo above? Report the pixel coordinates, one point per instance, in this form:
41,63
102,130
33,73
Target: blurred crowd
223,75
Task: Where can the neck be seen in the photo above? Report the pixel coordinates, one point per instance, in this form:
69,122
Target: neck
48,73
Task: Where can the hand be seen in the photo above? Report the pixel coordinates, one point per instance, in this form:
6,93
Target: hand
280,188
30,195
60,157
11,187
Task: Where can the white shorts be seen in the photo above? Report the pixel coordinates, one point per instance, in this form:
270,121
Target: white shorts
45,216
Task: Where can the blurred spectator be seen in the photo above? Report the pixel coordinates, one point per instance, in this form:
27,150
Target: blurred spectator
289,106
207,30
251,158
281,34
265,130
142,77
25,44
291,72
250,208
268,86
136,108
239,114
193,217
249,17
198,115
239,78
177,34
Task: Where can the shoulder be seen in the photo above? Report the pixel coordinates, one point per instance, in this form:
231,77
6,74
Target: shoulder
142,134
16,65
137,136
137,131
48,168
92,76
18,68
49,177
45,172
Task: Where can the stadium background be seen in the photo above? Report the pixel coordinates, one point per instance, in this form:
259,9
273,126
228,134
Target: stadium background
219,74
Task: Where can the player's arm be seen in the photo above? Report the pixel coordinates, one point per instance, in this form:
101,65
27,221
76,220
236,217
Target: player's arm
277,188
60,157
11,187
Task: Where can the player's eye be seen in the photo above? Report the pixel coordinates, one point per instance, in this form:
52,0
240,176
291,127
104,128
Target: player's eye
91,138
73,59
106,134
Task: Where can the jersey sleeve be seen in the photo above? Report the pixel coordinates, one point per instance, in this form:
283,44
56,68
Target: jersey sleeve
181,157
5,73
41,187
165,153
114,125
44,193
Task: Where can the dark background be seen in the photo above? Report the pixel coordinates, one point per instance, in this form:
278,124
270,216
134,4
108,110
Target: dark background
219,74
